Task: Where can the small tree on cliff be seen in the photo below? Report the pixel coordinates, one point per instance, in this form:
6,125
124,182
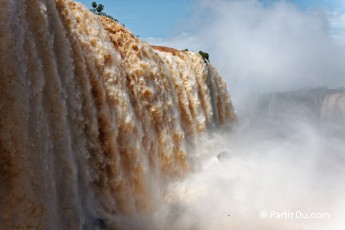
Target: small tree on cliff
94,5
98,8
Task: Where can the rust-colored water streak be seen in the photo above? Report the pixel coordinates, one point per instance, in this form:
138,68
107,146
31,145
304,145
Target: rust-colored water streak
94,122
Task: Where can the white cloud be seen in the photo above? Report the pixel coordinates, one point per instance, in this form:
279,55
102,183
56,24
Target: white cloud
337,24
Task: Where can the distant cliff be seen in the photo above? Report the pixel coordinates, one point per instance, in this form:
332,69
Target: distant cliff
305,103
93,120
333,108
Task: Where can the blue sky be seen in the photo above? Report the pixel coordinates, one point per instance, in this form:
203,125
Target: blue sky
164,18
147,18
307,4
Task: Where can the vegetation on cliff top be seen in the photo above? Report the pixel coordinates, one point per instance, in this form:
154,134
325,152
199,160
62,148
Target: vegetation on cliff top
204,55
98,9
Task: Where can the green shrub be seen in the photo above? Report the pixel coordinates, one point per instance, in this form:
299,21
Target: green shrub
204,55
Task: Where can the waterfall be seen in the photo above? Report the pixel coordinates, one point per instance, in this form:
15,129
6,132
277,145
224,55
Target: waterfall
333,108
94,122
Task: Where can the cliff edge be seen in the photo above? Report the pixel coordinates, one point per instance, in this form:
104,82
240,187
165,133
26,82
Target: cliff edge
94,121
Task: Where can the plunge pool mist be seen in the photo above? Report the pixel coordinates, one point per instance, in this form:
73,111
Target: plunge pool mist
266,173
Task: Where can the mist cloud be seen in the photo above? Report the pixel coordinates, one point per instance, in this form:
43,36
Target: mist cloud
300,171
266,48
273,165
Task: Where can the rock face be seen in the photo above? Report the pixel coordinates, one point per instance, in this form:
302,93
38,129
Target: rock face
333,108
93,121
